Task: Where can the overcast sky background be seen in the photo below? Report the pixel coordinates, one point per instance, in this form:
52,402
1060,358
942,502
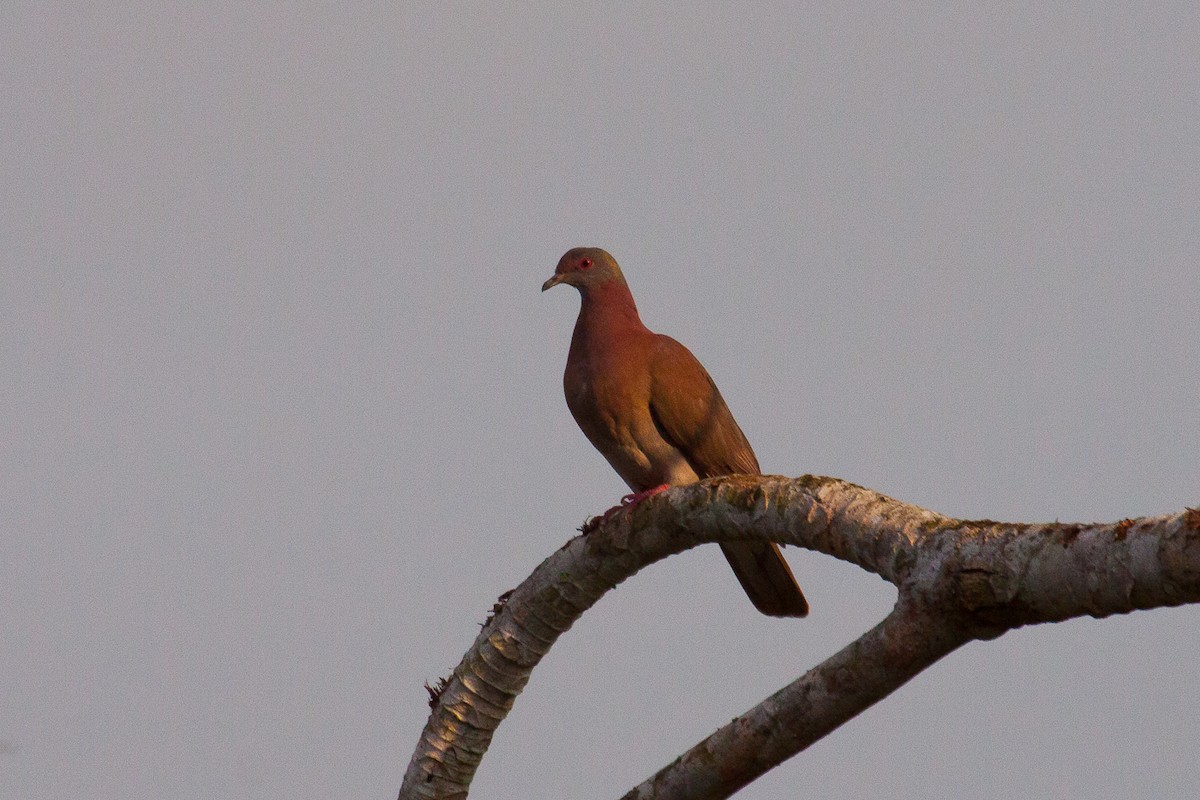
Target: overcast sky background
282,411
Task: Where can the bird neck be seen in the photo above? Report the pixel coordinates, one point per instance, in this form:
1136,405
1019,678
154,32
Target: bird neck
606,306
608,323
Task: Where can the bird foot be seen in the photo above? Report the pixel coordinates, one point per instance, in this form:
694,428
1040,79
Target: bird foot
631,500
628,501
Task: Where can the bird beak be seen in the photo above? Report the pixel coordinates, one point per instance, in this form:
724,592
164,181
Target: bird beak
555,280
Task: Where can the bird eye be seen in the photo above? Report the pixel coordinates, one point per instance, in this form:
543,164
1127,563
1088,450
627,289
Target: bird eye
587,262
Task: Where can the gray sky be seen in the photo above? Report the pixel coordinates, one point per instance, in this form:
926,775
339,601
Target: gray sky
282,402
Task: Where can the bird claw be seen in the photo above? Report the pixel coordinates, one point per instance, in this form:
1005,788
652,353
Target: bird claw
628,501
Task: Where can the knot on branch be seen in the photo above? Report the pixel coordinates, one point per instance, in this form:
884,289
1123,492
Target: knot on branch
985,595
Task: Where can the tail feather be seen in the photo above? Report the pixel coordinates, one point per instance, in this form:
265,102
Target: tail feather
766,578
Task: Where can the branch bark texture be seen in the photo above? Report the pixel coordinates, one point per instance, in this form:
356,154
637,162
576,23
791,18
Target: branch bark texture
957,581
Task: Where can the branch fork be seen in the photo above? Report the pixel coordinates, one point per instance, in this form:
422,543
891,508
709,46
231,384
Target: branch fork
957,581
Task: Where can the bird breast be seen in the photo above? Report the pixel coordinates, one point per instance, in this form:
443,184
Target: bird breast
614,413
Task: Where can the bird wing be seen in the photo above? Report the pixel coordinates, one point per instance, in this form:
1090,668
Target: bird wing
690,413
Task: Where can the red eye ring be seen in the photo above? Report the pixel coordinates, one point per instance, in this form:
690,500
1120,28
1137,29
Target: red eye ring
587,262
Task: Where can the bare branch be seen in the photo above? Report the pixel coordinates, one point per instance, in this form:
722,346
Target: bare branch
957,580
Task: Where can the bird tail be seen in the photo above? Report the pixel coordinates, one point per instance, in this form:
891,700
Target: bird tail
766,578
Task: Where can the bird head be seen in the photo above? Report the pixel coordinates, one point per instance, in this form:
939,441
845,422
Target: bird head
585,267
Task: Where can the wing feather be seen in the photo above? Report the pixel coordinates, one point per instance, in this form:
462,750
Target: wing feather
690,413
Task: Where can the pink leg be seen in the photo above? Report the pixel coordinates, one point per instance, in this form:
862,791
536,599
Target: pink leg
628,501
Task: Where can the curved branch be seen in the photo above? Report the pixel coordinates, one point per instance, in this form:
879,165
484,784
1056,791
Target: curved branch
957,580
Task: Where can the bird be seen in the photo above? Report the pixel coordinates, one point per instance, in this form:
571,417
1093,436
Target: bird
652,410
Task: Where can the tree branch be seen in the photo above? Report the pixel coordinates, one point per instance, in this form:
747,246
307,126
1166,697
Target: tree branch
958,580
